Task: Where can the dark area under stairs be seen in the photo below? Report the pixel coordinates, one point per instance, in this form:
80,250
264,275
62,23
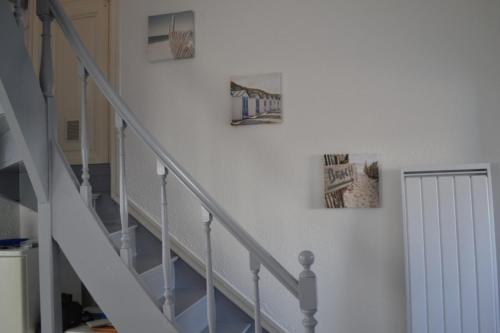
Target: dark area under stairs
190,286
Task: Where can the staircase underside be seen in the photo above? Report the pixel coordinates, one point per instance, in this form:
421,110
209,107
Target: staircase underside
84,241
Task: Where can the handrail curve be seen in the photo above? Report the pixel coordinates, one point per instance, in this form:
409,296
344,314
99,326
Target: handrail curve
124,112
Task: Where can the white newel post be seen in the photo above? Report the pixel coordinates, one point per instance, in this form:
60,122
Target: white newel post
169,305
85,187
308,297
50,296
125,249
255,268
207,220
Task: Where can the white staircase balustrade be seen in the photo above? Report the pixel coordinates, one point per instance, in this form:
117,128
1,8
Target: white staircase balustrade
307,291
168,275
207,219
85,187
51,312
125,250
255,269
304,287
19,12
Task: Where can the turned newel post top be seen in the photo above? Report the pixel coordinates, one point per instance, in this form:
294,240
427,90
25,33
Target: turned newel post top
161,169
206,216
43,10
119,122
306,259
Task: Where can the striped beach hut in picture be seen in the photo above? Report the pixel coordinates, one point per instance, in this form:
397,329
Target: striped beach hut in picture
252,106
256,99
240,103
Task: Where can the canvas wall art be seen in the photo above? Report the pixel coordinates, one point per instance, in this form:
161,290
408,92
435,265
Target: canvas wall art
256,99
171,36
351,181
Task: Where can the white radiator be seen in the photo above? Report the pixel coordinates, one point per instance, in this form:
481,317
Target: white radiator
451,264
19,292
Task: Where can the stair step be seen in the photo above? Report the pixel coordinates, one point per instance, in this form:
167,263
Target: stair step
115,225
191,310
115,238
152,280
231,328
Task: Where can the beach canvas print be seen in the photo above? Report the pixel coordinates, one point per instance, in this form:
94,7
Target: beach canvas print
256,99
171,36
351,181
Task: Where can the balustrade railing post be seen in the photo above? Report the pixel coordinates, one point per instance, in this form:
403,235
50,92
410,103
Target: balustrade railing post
169,304
308,297
85,187
211,313
255,268
125,249
46,67
50,296
19,12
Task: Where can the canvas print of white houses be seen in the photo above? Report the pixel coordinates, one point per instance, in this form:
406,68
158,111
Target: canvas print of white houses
351,181
256,99
171,36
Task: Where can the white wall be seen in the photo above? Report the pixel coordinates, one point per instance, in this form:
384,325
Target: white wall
415,81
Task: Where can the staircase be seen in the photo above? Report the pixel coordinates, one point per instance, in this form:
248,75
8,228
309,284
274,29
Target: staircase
188,285
134,277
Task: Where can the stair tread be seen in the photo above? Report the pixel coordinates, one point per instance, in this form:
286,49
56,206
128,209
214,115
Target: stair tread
185,298
230,327
114,225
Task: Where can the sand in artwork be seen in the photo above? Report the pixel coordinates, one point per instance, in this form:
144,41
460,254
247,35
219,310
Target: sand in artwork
171,36
351,181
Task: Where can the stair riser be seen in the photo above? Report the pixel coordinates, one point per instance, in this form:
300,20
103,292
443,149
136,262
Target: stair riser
194,319
153,281
116,240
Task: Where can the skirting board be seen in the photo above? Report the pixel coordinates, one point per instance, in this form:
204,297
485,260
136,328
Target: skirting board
199,266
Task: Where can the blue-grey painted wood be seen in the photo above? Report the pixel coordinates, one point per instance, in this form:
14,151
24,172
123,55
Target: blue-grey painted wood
153,281
125,249
308,294
231,328
451,253
116,239
26,117
193,318
267,260
167,269
8,151
19,13
123,299
255,269
85,187
207,219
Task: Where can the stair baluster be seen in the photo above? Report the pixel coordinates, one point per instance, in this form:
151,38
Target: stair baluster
85,187
125,249
169,304
255,268
19,12
211,315
308,297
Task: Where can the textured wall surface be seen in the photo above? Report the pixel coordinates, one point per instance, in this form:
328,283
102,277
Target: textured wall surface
9,218
417,82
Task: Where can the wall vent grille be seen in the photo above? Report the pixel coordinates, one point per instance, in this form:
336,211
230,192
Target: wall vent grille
73,130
